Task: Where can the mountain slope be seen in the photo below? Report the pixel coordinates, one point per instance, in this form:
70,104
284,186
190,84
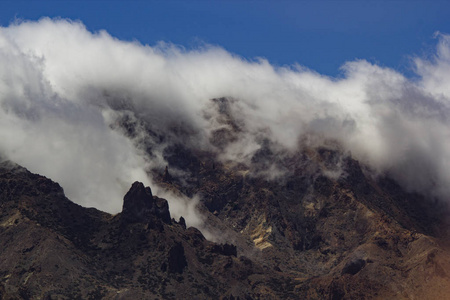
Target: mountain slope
302,235
52,247
349,235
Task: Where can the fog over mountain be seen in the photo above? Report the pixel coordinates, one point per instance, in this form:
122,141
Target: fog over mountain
65,92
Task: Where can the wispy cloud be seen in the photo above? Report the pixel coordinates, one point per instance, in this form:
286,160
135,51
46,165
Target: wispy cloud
63,88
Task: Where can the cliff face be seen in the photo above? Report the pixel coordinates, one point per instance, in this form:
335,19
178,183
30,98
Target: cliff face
303,235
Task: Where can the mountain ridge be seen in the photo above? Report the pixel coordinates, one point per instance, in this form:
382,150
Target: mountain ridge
307,235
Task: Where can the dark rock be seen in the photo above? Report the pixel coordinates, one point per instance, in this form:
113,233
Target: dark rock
162,209
166,176
353,266
164,267
382,243
182,222
195,236
224,249
137,255
177,260
336,291
181,157
139,205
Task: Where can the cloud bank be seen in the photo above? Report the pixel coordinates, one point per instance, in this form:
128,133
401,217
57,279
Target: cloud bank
63,90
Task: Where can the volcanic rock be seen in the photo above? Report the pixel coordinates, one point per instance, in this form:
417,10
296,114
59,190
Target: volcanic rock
177,260
166,176
353,266
139,205
182,222
325,228
225,249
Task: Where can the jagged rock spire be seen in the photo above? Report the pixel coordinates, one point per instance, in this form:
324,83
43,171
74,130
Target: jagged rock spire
139,205
166,176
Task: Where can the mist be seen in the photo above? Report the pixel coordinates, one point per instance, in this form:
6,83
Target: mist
64,89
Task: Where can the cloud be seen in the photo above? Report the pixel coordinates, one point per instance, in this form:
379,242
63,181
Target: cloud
64,91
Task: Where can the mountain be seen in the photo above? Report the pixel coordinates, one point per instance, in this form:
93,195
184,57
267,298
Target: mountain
200,173
323,228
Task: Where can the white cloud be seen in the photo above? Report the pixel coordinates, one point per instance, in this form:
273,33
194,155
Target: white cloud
58,83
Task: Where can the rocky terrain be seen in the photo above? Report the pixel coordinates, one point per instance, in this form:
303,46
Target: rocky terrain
306,235
138,171
307,224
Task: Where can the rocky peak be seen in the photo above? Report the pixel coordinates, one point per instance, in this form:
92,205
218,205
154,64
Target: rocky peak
139,205
166,176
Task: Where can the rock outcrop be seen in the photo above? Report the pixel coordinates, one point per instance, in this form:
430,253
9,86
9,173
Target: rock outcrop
139,205
324,230
52,248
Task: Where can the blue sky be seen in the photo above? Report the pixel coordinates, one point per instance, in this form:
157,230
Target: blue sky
320,35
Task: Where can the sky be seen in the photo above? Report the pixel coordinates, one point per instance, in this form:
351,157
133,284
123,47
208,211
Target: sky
319,35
